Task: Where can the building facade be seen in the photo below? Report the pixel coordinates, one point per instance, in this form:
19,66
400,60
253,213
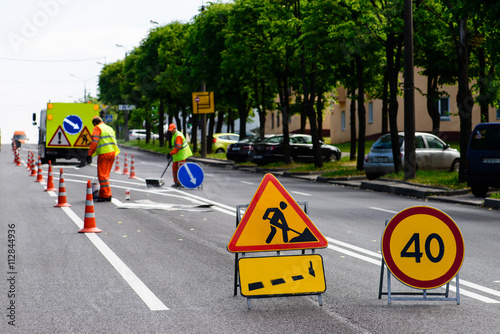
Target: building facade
336,121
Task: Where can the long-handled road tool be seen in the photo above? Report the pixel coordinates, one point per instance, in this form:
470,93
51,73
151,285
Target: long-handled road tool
150,182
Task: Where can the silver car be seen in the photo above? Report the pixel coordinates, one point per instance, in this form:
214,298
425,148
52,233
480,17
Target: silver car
431,153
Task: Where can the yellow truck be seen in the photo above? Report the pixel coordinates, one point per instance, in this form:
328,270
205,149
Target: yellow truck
65,131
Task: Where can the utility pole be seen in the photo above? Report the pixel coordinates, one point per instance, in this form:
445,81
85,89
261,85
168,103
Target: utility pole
203,152
409,94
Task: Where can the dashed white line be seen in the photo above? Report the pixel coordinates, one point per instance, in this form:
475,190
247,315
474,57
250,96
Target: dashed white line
299,193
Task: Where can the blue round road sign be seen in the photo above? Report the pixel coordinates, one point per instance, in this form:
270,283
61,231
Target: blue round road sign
72,124
190,175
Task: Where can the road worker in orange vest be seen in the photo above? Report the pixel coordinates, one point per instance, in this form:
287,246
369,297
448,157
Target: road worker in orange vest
105,147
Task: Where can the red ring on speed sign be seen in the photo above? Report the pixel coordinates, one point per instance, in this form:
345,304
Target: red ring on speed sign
423,247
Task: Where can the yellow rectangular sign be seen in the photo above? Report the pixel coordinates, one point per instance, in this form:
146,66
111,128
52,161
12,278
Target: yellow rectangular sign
203,103
281,275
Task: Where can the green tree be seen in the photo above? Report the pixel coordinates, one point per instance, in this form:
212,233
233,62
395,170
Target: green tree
434,54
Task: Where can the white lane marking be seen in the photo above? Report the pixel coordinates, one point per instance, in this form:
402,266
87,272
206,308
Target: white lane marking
356,255
299,193
356,248
383,210
480,288
128,275
474,295
246,182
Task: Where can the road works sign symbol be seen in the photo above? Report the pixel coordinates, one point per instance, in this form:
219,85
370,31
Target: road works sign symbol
84,140
281,275
190,175
272,209
59,139
423,247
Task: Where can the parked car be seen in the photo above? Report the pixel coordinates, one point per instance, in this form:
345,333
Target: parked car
242,150
221,141
430,151
272,149
482,170
140,134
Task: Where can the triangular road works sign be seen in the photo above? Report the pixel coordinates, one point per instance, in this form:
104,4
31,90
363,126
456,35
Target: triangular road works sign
84,140
59,139
273,221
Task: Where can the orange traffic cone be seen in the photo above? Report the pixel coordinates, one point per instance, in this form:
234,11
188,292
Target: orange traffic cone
18,159
89,221
14,150
50,179
61,197
125,166
28,164
117,165
39,176
33,169
132,169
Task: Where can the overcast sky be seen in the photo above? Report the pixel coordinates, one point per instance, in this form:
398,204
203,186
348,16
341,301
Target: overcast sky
45,42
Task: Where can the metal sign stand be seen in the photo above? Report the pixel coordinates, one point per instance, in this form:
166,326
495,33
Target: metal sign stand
239,209
424,294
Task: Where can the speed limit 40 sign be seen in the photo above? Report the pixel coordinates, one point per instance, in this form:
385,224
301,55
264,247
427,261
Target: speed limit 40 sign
423,247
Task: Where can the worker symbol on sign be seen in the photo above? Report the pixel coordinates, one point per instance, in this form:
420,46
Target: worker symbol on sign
85,140
277,220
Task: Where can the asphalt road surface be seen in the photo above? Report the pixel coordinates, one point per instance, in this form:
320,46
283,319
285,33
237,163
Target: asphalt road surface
161,264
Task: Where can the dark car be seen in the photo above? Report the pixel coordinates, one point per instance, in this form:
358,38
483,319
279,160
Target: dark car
272,149
483,159
242,150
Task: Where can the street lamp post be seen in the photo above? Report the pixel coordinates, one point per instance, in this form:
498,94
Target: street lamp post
84,85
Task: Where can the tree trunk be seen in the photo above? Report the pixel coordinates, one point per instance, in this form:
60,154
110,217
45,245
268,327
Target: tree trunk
220,121
262,111
161,119
385,98
392,73
432,100
361,113
465,100
284,102
194,133
319,114
352,124
483,91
